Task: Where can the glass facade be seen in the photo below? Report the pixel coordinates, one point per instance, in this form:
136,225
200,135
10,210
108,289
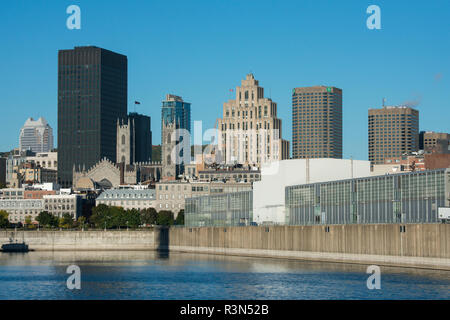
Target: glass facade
230,209
398,198
174,109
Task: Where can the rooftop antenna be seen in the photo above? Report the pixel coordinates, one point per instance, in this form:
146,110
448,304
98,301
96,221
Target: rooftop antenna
384,102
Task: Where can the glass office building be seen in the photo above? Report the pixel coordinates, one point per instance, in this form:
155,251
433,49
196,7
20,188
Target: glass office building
398,198
229,209
175,110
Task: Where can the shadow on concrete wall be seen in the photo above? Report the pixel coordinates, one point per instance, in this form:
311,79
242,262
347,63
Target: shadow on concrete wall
163,242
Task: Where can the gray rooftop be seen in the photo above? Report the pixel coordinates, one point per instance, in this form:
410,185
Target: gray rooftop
146,194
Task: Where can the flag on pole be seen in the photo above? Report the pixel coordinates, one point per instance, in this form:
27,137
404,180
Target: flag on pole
137,102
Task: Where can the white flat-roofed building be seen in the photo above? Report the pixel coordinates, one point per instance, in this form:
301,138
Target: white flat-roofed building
269,193
128,198
19,209
48,186
60,204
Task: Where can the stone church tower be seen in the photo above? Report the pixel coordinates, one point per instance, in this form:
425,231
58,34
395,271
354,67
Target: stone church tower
169,168
125,142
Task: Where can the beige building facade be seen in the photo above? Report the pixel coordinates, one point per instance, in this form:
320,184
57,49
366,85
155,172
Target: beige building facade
250,132
171,195
47,160
61,204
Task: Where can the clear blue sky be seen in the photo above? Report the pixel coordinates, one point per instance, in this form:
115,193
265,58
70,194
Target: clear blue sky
201,49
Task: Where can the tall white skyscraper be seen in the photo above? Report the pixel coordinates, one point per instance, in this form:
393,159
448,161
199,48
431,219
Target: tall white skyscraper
36,135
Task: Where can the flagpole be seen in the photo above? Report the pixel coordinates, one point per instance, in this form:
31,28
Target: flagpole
135,103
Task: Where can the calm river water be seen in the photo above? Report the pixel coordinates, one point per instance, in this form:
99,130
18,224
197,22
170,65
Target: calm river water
148,275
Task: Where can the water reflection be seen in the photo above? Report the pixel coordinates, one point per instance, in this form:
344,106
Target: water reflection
158,275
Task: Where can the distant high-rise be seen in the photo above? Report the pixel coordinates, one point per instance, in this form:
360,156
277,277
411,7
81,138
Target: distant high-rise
2,171
393,131
36,135
175,114
175,110
317,122
437,142
134,139
92,95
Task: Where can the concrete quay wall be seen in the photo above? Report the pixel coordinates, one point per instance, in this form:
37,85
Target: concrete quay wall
83,240
420,245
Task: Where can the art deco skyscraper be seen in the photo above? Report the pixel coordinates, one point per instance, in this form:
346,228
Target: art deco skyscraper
250,132
393,131
92,95
317,122
36,135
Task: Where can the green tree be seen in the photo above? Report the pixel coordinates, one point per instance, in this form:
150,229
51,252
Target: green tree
81,221
27,221
4,222
133,217
2,185
118,217
54,222
180,218
149,216
45,219
165,218
100,215
66,221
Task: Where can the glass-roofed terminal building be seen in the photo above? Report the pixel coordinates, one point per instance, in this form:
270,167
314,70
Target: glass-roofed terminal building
412,197
227,209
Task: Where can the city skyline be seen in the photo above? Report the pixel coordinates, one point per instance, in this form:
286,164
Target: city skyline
380,66
214,153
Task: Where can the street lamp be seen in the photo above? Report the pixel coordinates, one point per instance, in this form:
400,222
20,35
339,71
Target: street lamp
105,221
127,225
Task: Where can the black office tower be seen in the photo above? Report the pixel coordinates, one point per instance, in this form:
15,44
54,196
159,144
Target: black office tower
143,136
92,95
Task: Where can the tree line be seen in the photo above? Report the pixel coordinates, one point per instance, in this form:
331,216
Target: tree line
103,216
